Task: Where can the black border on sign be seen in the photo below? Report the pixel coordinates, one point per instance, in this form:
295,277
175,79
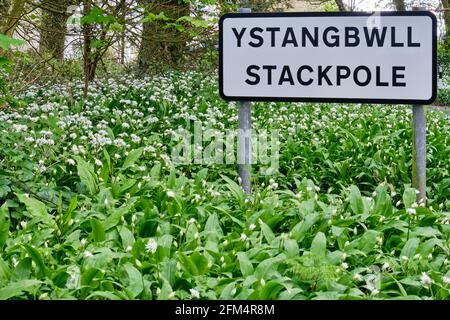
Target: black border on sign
330,14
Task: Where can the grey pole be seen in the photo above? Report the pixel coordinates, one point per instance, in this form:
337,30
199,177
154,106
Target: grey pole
245,138
419,147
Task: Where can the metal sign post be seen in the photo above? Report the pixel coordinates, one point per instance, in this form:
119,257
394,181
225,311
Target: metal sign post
245,138
419,147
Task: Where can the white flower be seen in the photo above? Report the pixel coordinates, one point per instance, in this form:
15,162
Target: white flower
404,258
135,138
243,237
98,162
171,194
379,240
75,149
425,279
191,221
71,162
446,279
83,242
87,254
151,245
195,294
344,265
411,211
252,226
357,277
385,266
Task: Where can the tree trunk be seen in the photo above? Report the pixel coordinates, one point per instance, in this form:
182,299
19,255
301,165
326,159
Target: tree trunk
445,5
161,47
54,27
87,51
400,5
123,33
4,7
341,5
13,16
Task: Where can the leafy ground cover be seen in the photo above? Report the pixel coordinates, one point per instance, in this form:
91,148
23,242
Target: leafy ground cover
92,206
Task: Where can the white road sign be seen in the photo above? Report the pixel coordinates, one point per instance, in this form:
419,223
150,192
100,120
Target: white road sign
380,57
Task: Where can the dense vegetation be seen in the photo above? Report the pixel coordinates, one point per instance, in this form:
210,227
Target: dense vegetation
93,204
94,208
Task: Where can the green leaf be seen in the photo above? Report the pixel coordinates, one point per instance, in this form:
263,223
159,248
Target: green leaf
319,244
198,23
356,201
135,280
132,157
235,189
267,232
409,197
266,267
245,264
168,270
291,247
38,260
368,241
4,224
96,15
37,209
22,271
96,44
212,229
16,289
164,246
88,276
129,183
410,248
127,237
7,42
98,232
166,290
301,229
153,17
383,203
5,272
289,294
87,175
271,290
103,294
196,264
117,213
